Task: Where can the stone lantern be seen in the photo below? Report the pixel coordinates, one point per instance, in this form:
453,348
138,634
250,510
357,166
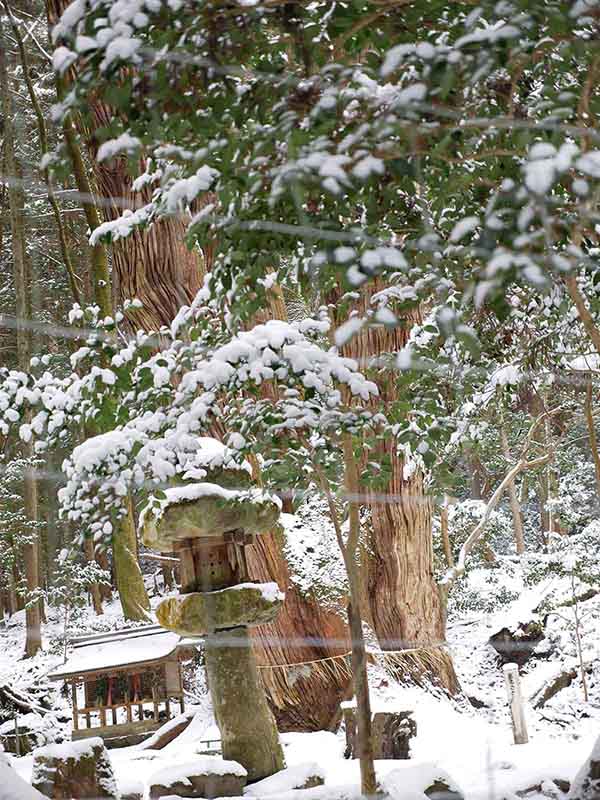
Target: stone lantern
209,526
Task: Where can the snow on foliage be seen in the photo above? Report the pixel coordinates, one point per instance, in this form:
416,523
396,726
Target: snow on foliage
125,143
156,430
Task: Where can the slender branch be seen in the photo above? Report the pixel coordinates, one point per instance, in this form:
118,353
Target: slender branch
522,465
62,236
589,418
100,272
584,314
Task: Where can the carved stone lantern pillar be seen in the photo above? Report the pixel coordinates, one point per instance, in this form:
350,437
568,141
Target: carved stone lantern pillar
209,526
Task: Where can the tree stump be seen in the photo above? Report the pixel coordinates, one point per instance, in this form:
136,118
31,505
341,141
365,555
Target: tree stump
517,646
392,732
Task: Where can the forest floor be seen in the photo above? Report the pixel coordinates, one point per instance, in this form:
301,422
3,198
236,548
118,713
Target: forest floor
472,744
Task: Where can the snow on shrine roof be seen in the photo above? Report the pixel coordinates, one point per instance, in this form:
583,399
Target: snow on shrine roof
117,649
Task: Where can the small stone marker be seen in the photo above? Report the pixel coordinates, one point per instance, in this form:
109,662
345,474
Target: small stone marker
515,699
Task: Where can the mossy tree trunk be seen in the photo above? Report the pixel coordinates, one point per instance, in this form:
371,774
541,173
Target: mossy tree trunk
128,575
22,279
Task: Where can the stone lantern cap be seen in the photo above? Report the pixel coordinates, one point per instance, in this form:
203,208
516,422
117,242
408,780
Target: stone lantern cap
206,511
199,613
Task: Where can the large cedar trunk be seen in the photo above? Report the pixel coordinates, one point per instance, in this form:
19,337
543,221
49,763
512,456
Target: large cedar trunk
152,265
405,605
306,696
303,655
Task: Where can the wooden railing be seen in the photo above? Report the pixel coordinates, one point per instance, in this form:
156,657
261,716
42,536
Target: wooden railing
108,714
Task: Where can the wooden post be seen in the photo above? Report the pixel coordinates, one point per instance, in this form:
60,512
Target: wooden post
515,699
75,709
186,569
102,716
155,701
17,742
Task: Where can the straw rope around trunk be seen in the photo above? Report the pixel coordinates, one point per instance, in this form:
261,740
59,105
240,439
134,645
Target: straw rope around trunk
415,665
285,687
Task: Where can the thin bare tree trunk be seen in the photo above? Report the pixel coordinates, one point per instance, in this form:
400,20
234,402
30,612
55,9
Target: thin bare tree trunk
585,316
359,653
445,532
515,506
94,589
589,418
22,278
103,563
100,273
520,466
350,552
41,124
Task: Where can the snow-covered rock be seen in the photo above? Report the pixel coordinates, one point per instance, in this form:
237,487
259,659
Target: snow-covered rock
586,785
75,769
207,776
299,776
419,782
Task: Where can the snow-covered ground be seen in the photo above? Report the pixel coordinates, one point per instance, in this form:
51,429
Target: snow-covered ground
472,745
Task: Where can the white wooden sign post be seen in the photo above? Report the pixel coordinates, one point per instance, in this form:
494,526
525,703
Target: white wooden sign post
515,699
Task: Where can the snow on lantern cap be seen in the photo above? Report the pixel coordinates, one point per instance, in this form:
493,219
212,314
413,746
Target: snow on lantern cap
206,511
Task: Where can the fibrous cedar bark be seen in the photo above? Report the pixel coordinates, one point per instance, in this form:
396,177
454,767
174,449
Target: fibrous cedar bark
22,279
406,607
154,265
303,687
128,257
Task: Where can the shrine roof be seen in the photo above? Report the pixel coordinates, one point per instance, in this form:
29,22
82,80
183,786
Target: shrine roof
117,649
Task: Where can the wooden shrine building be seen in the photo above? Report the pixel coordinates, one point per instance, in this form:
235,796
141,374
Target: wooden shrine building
124,684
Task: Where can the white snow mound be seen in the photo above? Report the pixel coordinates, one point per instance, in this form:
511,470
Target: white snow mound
410,782
293,777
